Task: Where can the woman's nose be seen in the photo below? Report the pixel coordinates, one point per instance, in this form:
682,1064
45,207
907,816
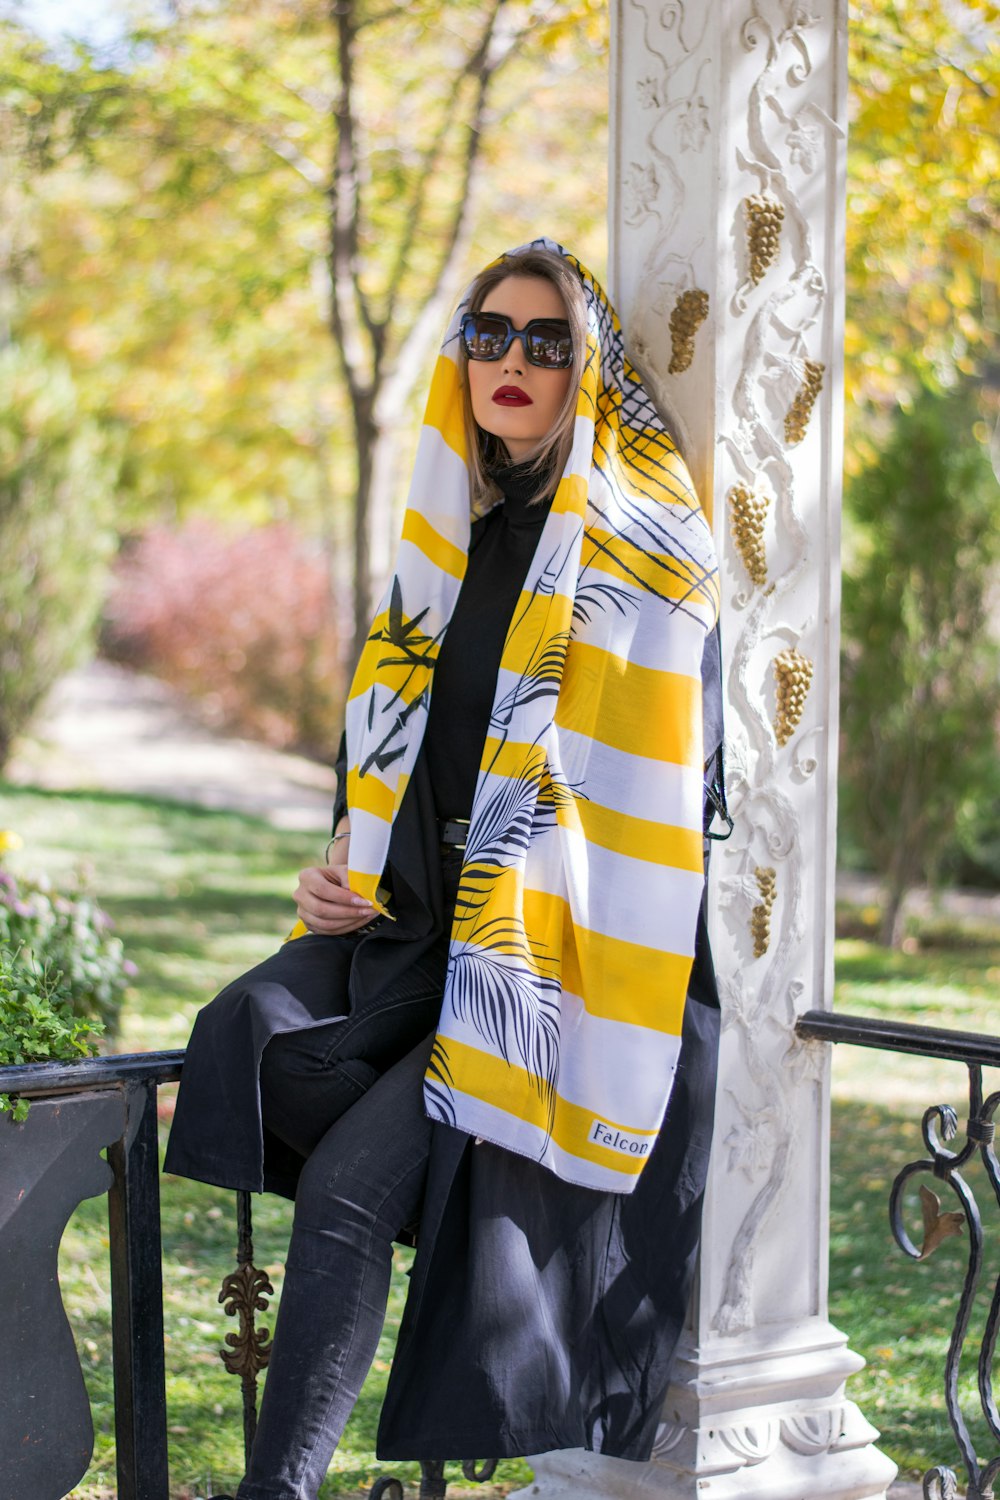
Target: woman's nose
513,360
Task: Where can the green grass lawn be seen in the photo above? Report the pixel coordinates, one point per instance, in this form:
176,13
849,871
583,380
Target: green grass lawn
898,1314
199,896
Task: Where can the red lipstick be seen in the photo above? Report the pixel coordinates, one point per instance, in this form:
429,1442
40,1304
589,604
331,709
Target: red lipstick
511,395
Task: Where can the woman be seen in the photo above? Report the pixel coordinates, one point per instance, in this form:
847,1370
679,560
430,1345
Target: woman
478,1023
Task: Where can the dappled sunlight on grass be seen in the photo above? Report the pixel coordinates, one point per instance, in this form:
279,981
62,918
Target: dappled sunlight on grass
897,1313
954,987
197,896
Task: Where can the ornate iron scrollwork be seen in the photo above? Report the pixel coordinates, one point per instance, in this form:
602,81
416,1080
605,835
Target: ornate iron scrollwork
245,1292
477,1473
433,1484
386,1488
940,1124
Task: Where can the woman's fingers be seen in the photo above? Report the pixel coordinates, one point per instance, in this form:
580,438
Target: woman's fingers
326,904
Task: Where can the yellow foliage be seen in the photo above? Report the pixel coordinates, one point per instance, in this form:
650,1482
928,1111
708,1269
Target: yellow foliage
178,257
923,196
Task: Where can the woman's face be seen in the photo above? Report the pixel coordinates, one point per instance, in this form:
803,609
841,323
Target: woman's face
512,399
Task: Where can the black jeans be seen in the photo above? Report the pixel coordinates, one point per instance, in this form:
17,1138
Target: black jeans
367,1140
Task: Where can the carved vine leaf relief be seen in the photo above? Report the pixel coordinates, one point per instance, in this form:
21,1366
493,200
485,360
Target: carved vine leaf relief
695,125
678,107
804,141
779,304
640,188
810,1433
751,1144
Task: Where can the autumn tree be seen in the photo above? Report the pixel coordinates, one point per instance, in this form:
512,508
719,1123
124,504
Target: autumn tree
418,206
923,220
284,173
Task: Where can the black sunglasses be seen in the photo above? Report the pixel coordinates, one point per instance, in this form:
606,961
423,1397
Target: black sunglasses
546,341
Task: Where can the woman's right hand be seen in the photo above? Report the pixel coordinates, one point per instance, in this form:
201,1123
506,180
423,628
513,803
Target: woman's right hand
326,904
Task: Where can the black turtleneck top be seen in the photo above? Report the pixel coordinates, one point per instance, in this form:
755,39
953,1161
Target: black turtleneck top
501,547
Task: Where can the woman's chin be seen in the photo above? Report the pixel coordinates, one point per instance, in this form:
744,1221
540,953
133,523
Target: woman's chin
518,445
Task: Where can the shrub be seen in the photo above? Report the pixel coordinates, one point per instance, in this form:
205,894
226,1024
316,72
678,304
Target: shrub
57,476
921,687
245,624
37,1022
70,936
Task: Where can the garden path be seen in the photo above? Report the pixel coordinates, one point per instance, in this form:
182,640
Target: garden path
112,729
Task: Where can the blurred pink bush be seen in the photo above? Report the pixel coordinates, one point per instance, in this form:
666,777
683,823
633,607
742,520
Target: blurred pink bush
244,624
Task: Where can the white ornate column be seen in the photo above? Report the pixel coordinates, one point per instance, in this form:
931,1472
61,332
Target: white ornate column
727,183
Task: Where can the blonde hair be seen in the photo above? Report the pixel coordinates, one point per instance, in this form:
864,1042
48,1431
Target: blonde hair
483,448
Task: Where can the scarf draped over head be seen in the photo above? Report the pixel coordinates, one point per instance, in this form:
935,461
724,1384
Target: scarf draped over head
573,934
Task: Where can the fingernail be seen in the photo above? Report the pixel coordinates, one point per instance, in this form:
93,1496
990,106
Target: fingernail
360,901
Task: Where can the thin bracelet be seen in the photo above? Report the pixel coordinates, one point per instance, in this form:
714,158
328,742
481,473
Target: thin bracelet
335,840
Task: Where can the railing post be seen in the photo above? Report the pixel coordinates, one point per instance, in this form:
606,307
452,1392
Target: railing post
137,1302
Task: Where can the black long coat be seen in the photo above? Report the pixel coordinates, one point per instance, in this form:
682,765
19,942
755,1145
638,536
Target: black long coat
541,1315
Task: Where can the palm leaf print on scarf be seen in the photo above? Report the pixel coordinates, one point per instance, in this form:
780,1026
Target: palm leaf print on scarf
503,983
438,1085
519,807
593,596
503,822
508,989
553,793
540,679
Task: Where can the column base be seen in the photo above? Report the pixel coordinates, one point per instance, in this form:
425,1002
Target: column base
772,1423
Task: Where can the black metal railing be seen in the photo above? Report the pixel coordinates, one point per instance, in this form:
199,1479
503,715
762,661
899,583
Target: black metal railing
137,1278
940,1124
134,1235
136,1273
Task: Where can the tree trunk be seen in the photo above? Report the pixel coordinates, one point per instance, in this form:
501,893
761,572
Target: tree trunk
377,503
898,880
366,437
380,378
904,862
891,927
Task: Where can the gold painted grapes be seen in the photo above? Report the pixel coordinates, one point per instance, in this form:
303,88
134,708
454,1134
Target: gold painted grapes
749,514
764,216
690,311
798,414
792,674
760,917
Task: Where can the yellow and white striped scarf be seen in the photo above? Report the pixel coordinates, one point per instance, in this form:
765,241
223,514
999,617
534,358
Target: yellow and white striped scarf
573,934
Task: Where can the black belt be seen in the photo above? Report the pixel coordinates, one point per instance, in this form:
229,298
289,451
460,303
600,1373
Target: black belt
454,831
